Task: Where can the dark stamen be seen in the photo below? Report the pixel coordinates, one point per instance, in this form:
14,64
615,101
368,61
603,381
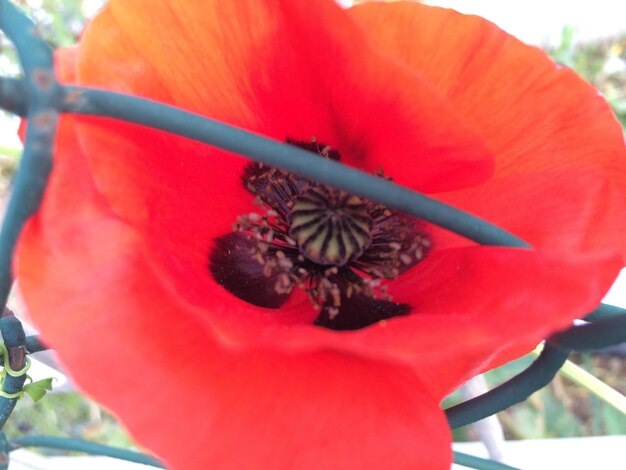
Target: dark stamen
335,246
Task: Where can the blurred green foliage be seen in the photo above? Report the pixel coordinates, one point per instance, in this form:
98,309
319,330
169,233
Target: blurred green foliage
562,409
59,21
602,63
66,415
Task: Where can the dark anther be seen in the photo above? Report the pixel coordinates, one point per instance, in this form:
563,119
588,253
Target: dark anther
243,275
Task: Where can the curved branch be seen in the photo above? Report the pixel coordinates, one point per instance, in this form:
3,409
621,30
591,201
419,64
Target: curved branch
514,391
86,447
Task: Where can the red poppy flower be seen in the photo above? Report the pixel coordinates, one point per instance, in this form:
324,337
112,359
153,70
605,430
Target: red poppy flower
166,315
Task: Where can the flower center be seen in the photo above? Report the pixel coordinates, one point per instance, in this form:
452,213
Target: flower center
337,247
329,226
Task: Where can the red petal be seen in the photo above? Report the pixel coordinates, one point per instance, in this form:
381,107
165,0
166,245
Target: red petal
473,308
570,210
476,308
184,194
237,374
236,322
281,68
162,362
544,124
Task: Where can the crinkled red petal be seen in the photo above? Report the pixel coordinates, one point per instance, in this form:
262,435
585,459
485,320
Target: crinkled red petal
270,67
132,343
560,177
237,323
244,374
472,308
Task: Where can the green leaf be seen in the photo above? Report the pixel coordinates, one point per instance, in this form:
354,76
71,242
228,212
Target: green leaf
37,390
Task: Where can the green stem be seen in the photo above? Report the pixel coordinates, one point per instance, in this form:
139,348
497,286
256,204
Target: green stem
88,101
287,157
14,337
86,447
605,311
591,383
44,96
511,392
471,461
33,344
81,100
601,334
